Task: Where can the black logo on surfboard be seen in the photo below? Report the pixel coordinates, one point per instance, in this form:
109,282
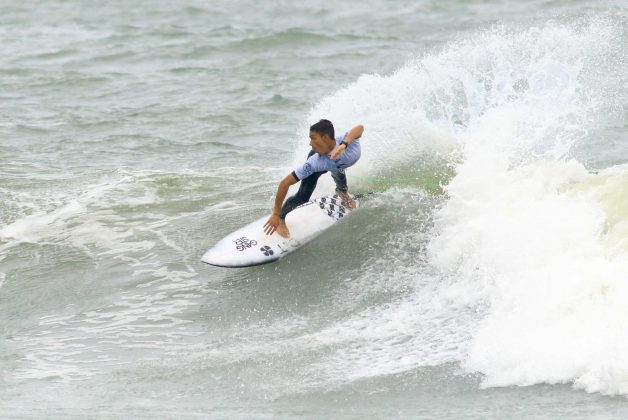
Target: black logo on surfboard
332,206
266,250
244,243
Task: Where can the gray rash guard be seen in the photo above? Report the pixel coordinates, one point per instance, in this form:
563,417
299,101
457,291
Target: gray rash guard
318,163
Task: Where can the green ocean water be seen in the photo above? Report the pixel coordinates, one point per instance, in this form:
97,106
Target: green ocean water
486,279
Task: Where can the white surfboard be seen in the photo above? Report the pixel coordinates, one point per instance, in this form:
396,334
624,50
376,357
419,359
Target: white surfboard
250,246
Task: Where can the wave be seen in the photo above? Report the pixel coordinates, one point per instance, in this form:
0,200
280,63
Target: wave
511,267
527,254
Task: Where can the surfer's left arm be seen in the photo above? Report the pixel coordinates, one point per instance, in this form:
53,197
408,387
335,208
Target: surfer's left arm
275,219
354,133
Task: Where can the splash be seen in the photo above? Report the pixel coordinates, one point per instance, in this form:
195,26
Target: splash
527,241
527,230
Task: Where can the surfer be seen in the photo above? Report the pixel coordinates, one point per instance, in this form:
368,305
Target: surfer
329,153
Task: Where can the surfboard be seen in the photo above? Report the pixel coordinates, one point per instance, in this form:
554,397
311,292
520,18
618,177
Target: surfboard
250,246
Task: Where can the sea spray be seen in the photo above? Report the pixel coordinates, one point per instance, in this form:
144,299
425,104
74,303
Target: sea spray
526,232
527,242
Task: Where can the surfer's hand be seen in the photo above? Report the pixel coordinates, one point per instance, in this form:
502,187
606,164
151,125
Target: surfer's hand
335,154
271,224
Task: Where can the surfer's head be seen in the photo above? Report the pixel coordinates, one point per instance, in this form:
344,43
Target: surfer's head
324,127
322,137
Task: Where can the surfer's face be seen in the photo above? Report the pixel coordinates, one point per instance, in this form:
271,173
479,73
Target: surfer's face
320,143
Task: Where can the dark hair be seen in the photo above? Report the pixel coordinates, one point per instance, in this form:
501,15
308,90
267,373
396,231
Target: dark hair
324,127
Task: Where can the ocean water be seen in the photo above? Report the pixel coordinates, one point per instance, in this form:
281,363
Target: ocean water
486,279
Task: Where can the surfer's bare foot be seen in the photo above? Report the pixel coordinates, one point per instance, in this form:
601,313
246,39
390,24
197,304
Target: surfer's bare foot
346,199
282,229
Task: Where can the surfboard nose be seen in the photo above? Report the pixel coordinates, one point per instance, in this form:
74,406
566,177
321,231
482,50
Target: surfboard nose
210,257
245,247
222,257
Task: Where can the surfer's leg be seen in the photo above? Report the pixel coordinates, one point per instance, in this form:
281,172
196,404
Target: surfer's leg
342,190
341,180
302,196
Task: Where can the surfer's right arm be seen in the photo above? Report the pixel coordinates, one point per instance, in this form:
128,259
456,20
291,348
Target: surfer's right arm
275,219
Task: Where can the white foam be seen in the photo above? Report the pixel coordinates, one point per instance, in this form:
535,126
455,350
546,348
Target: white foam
397,130
31,228
538,245
529,245
536,237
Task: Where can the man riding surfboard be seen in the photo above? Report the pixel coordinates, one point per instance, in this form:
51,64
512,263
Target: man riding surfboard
329,153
